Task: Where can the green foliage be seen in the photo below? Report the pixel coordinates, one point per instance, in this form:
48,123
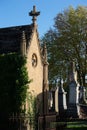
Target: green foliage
13,83
67,41
32,110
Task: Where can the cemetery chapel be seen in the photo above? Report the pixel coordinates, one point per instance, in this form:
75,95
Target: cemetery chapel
51,105
24,40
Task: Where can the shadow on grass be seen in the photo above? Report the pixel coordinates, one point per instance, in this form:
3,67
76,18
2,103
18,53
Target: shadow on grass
72,125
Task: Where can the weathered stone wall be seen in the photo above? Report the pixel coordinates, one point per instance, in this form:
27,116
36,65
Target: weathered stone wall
35,73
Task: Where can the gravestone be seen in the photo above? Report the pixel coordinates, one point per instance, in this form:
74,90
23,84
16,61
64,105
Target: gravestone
56,100
82,94
73,92
73,86
52,99
60,100
82,107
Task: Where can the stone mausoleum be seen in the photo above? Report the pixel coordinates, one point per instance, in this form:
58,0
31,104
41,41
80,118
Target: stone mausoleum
24,40
51,105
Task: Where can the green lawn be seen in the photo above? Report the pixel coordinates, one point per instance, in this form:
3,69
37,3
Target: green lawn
75,125
80,125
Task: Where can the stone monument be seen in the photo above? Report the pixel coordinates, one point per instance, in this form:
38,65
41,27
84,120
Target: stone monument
82,94
73,85
62,106
56,99
61,97
73,92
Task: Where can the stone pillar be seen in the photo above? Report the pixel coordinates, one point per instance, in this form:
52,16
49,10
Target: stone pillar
45,81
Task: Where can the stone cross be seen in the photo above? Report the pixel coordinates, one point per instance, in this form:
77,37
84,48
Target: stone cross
34,14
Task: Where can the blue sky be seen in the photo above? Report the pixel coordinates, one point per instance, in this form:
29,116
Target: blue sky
15,12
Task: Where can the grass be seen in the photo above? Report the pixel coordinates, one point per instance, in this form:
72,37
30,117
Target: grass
75,125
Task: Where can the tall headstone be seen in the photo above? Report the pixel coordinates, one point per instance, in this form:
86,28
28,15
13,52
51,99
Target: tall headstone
73,85
73,92
56,100
62,106
62,97
82,94
53,100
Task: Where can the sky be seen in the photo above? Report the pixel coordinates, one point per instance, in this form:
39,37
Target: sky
15,12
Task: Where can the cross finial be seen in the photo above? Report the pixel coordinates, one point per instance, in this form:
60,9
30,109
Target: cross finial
34,14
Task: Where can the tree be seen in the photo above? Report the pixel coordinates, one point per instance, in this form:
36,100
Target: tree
67,41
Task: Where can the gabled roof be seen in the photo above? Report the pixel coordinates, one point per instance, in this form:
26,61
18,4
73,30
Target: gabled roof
10,38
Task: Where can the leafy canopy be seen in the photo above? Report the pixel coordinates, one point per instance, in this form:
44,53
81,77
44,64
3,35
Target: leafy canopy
67,41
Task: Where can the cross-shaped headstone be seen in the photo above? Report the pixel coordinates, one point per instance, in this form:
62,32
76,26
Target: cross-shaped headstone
34,14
